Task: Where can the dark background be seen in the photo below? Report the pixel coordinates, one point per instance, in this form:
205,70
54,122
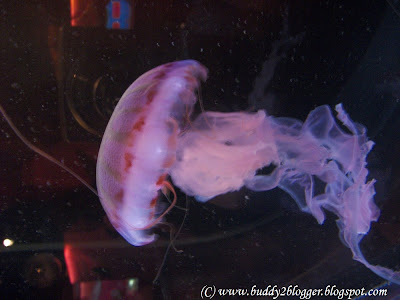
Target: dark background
326,52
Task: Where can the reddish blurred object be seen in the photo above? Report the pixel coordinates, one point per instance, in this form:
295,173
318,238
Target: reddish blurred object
98,254
80,157
88,13
93,256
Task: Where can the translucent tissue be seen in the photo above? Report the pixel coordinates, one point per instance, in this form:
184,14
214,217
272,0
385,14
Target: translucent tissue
223,151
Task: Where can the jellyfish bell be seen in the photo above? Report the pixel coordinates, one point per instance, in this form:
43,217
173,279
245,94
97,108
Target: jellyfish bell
139,146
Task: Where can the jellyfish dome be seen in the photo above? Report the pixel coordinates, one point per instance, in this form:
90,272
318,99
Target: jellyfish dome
223,151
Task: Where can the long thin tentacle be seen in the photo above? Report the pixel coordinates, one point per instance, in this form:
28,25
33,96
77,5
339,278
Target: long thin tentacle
42,153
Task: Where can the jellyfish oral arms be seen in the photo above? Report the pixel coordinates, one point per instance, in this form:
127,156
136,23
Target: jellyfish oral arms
222,152
139,146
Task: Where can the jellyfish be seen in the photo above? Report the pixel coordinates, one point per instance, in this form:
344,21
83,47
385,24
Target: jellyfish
146,140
